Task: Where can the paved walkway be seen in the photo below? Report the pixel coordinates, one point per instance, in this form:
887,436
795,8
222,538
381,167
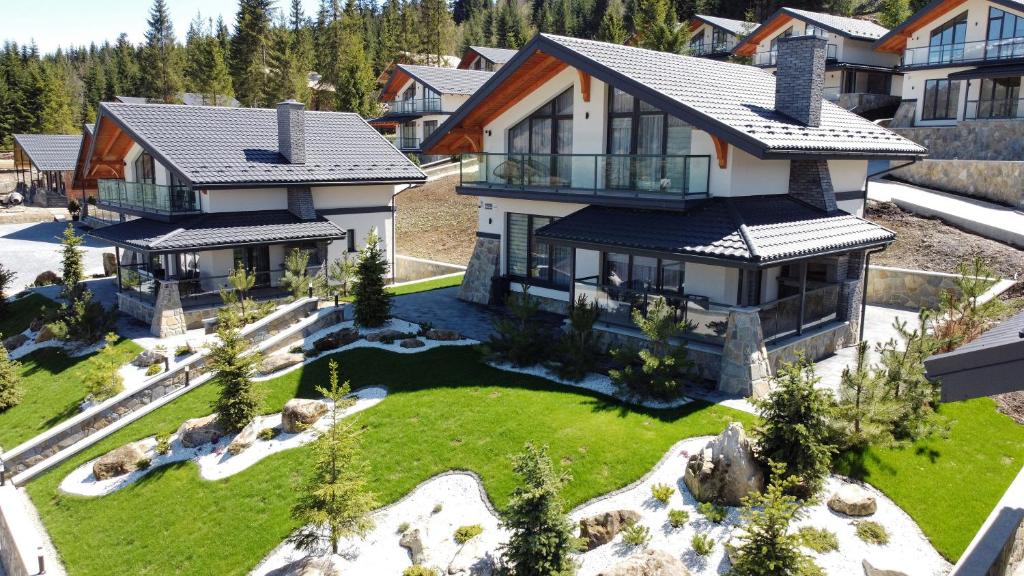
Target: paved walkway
29,249
990,220
442,309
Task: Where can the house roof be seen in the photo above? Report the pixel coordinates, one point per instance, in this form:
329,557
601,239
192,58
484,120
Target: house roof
218,229
50,152
990,364
853,28
446,80
757,230
187,98
731,101
895,40
495,55
737,27
997,71
218,146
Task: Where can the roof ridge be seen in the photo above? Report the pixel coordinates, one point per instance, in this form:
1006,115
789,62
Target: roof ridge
741,226
167,236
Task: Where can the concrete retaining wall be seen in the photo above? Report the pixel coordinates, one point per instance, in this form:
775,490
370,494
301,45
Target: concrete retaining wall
408,268
18,542
991,180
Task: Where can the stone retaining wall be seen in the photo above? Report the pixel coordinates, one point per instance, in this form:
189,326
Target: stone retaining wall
972,139
908,288
408,268
17,547
483,265
991,180
814,344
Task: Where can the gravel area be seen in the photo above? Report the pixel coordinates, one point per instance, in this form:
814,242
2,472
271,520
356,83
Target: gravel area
435,223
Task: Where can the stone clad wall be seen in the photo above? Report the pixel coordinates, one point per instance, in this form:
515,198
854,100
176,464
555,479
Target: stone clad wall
908,288
814,344
483,265
971,139
992,180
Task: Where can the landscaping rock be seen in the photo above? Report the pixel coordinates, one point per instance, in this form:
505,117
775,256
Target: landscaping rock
725,470
119,462
443,335
14,342
599,530
648,563
109,264
45,334
280,361
199,431
245,438
472,559
853,500
47,278
384,335
36,324
337,339
733,543
310,566
413,540
299,413
870,570
147,358
412,343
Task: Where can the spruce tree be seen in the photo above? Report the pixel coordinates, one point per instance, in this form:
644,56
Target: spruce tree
250,52
58,112
372,306
71,264
894,13
335,501
162,67
239,400
437,31
864,414
511,28
287,79
126,71
612,27
104,379
206,70
10,381
350,73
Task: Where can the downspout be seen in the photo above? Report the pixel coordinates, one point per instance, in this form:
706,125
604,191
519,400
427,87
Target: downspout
867,181
864,291
394,232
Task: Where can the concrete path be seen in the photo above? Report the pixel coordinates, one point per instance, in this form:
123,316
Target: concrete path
989,220
442,309
29,249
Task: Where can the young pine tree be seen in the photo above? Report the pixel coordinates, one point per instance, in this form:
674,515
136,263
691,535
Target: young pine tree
71,262
542,539
902,372
519,339
335,502
10,381
239,400
372,306
296,279
241,281
662,369
580,346
104,380
612,28
864,414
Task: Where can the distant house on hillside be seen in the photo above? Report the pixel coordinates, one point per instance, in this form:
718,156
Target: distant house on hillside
715,37
45,166
187,98
485,58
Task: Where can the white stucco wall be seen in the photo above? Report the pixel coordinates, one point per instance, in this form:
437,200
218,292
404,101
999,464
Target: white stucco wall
716,282
244,199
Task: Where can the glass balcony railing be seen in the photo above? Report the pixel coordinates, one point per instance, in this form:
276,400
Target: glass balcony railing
708,48
964,53
407,143
626,177
994,109
145,197
770,58
831,93
414,106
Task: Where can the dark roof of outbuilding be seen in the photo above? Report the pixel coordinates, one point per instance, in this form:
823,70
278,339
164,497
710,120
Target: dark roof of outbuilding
496,55
447,80
737,27
753,229
219,229
990,364
50,152
187,98
218,146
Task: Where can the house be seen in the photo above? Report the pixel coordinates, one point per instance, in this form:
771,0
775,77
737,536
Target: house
716,37
485,58
857,77
186,98
419,98
625,174
44,166
213,188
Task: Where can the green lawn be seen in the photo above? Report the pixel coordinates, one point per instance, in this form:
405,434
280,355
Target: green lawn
20,313
427,285
52,385
949,485
467,416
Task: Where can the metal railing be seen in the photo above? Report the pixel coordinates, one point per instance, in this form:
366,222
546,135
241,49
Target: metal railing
999,108
407,143
707,320
605,175
831,93
145,197
964,52
204,290
138,281
781,317
414,106
771,57
706,48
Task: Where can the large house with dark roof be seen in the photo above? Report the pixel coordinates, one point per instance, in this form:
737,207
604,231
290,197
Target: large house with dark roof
716,37
44,165
419,98
857,77
626,175
213,188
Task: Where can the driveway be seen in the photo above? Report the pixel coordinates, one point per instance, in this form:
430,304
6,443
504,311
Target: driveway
29,249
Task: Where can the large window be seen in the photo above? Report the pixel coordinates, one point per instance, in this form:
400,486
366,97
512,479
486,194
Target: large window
1005,35
940,100
532,259
642,273
541,138
145,169
999,97
947,41
428,128
697,43
646,145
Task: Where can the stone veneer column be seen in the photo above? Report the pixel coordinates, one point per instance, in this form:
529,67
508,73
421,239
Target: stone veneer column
851,294
744,368
483,265
300,202
810,181
168,317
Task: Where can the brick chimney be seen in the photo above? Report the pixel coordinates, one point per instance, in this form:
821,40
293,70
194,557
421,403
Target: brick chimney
800,78
291,131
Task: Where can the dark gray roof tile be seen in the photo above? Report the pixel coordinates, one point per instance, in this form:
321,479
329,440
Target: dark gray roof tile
737,27
447,80
50,152
496,55
850,27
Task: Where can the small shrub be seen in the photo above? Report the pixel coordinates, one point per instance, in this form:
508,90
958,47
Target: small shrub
154,369
437,508
143,463
678,518
268,434
662,492
818,539
163,444
182,350
464,534
579,348
424,328
59,329
419,570
297,349
872,532
713,512
519,340
636,534
702,544
403,527
46,278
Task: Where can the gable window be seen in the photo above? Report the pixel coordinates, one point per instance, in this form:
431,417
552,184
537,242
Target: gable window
720,40
428,127
999,97
947,41
646,146
813,30
410,92
534,260
1005,35
697,43
540,145
773,47
940,100
145,170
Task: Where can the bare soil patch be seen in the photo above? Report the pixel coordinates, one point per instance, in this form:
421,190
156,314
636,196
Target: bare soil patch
434,222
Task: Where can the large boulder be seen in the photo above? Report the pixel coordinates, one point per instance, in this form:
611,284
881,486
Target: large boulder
45,334
414,540
247,437
725,470
600,529
109,264
388,335
147,358
648,563
15,342
853,500
870,570
336,339
279,361
412,343
736,539
310,566
199,431
443,335
47,278
473,559
300,413
119,462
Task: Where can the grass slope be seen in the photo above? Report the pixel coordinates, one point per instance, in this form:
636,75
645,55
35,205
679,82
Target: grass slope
465,415
52,385
948,485
20,313
427,285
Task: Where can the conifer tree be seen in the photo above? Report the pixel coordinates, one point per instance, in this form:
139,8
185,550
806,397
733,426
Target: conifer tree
161,65
125,69
239,400
57,113
350,72
894,13
206,70
10,381
104,379
287,79
511,28
71,264
250,52
612,27
372,305
437,30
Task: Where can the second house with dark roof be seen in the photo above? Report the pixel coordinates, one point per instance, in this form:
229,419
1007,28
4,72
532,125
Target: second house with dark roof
202,190
627,175
715,37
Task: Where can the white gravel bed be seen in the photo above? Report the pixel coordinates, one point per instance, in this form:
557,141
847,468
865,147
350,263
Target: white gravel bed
462,504
214,461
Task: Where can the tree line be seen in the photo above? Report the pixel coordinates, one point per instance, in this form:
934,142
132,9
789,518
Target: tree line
267,53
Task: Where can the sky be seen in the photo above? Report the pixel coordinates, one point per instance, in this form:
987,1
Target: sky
53,23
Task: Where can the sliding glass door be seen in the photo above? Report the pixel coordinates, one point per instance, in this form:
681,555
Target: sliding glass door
540,146
647,146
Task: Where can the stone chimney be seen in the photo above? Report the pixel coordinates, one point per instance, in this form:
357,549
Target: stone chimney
800,78
291,131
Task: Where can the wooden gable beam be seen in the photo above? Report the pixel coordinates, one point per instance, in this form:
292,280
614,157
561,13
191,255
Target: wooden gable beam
721,151
584,85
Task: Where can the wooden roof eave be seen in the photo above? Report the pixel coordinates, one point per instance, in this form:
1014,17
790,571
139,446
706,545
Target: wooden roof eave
748,46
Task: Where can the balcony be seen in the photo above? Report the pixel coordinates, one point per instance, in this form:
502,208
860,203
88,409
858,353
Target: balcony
994,109
770,58
709,49
407,143
964,53
147,199
606,179
413,106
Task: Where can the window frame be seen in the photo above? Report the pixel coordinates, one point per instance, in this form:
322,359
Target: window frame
953,55
948,109
551,114
659,284
548,281
1015,49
